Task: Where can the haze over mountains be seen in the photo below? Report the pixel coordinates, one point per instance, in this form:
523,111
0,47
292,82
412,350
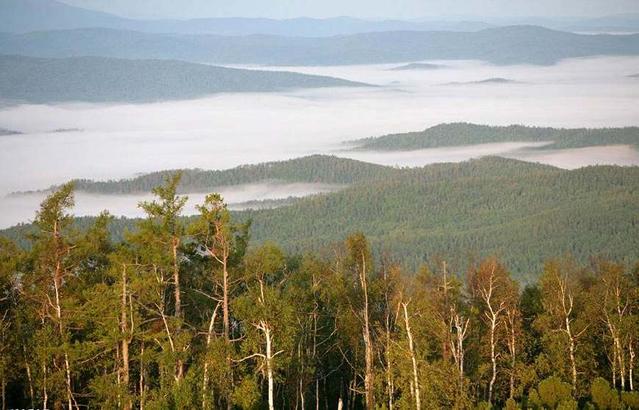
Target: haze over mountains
98,79
20,16
504,45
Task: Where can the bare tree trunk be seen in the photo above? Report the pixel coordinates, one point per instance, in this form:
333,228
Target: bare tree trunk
512,315
29,377
141,381
269,366
179,371
493,316
45,394
340,404
457,345
368,343
124,327
205,378
411,350
631,365
613,362
58,310
622,364
571,349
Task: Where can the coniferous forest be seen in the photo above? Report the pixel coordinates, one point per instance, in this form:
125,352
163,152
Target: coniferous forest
186,314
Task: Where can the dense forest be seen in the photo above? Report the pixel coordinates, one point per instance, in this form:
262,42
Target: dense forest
324,169
522,212
454,134
190,316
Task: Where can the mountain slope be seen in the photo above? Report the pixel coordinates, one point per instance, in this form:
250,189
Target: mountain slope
21,16
505,45
98,79
455,134
311,169
520,211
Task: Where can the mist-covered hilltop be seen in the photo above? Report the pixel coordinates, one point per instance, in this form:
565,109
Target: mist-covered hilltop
457,134
325,169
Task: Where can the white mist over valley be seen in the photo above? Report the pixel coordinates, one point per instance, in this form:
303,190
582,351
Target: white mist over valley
112,141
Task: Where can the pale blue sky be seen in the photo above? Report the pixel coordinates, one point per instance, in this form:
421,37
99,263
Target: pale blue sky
405,9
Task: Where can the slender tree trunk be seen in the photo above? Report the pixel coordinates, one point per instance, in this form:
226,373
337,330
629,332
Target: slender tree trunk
340,404
493,361
631,365
368,343
613,362
269,366
141,381
205,377
57,280
571,350
124,327
225,313
411,350
179,371
29,377
622,364
4,398
45,393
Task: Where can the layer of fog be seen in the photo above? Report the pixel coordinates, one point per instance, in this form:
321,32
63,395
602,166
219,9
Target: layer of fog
117,141
22,208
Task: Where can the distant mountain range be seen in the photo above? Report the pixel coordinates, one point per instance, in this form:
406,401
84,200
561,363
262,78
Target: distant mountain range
99,79
504,45
21,16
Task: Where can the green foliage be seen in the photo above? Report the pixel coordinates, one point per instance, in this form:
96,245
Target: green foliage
630,399
603,396
88,321
456,134
554,393
312,169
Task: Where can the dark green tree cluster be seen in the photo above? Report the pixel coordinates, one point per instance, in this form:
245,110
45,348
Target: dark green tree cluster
456,134
188,315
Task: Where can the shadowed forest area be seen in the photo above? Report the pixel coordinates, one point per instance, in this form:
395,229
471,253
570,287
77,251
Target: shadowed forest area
186,314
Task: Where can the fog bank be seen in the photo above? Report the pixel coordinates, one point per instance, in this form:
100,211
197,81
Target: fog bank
118,141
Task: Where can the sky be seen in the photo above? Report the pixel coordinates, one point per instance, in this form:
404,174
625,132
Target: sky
405,9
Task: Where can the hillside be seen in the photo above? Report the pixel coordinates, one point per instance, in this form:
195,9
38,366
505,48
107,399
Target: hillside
98,79
312,169
520,211
504,45
455,134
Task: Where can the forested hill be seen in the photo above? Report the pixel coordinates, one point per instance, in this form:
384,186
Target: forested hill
324,169
520,211
98,79
454,134
503,45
